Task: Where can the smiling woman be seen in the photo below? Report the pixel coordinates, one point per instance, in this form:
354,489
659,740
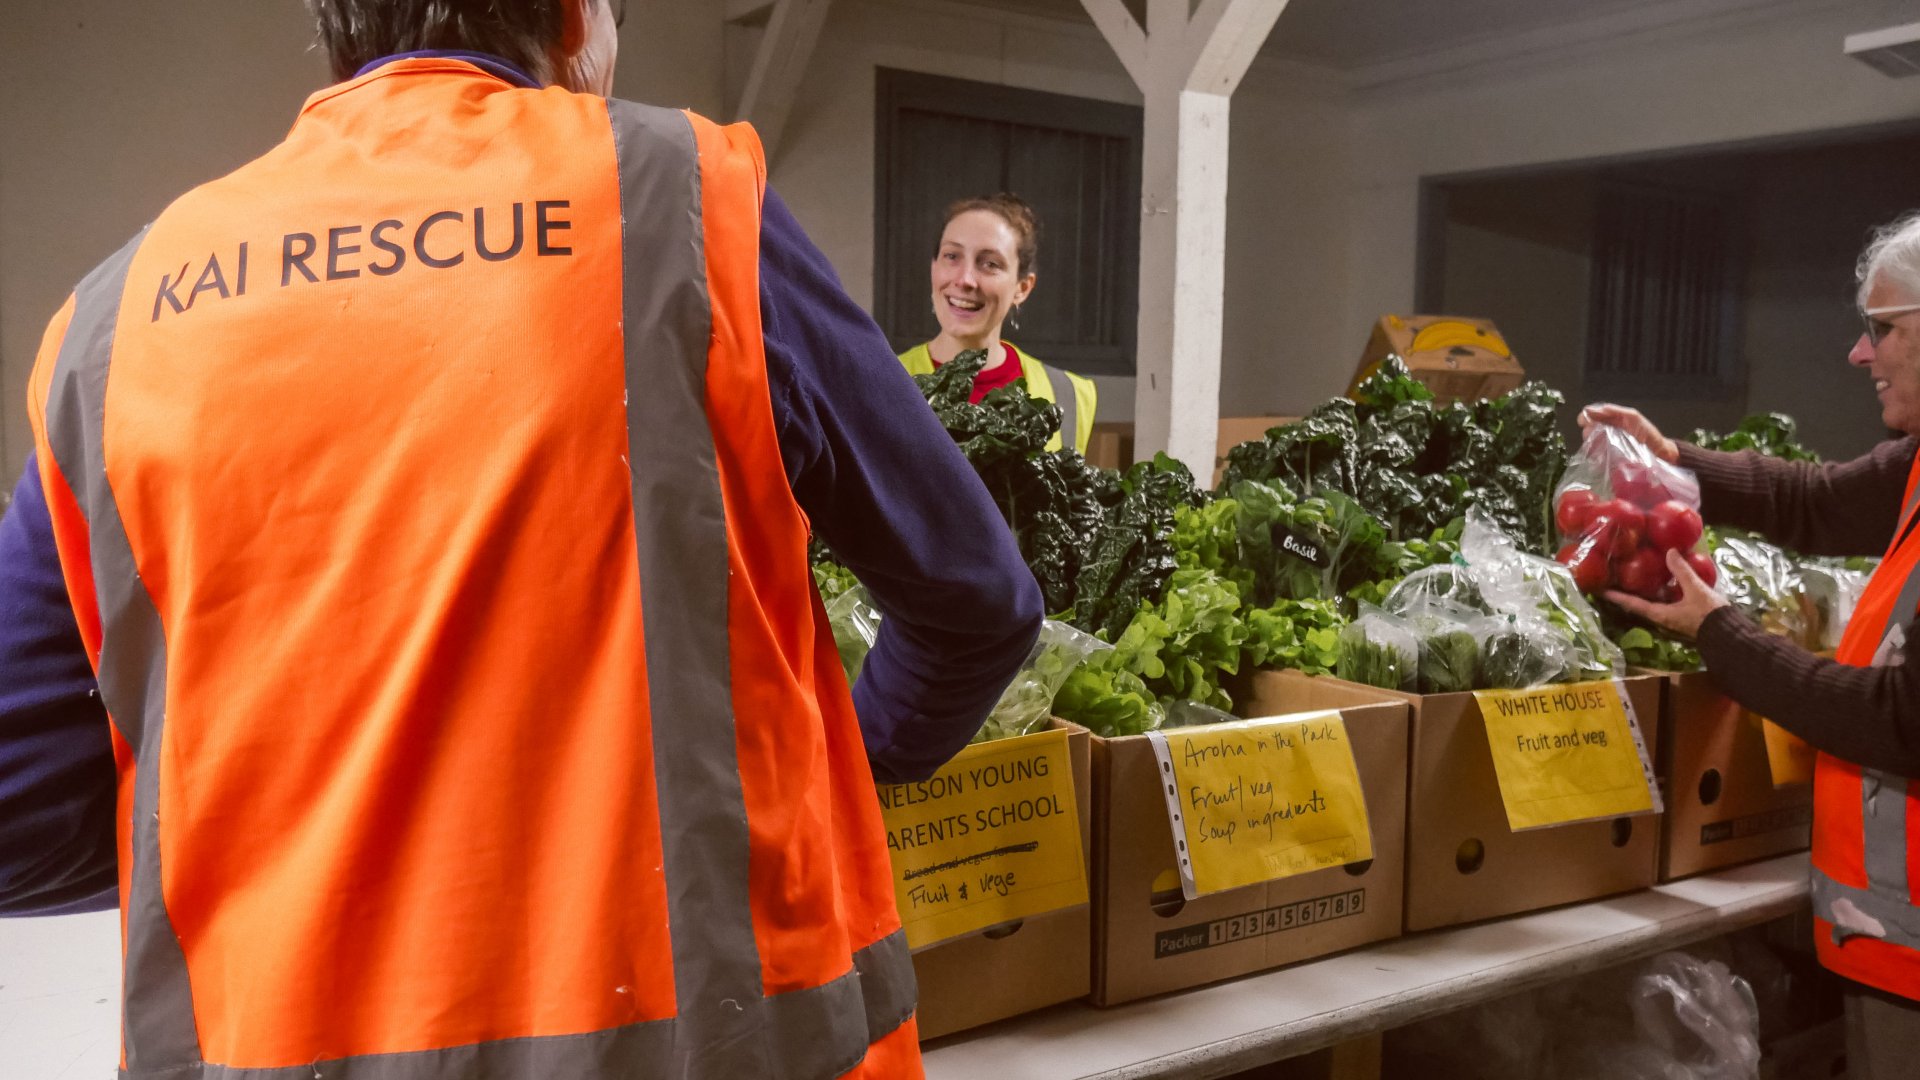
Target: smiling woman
982,272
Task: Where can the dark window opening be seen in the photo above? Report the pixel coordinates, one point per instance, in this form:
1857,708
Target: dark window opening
1077,161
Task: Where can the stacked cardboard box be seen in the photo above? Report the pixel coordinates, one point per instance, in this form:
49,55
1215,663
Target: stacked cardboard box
1723,807
1465,864
1148,939
1014,969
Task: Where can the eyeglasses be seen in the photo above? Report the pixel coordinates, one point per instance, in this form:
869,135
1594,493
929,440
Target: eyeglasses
1878,327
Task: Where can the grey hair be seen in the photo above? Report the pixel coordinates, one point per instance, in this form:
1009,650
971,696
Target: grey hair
357,32
1892,255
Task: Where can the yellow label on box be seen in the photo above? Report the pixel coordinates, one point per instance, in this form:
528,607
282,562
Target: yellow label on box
1255,800
993,837
1567,753
1789,757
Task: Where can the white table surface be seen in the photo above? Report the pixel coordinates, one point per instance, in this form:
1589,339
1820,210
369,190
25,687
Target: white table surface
60,988
1224,1028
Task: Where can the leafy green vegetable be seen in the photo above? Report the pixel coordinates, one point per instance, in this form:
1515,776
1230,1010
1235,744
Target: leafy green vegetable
1772,434
1375,650
1313,548
1417,465
832,579
1176,649
1449,662
1300,634
1028,700
1514,660
855,626
1645,648
1099,544
1108,701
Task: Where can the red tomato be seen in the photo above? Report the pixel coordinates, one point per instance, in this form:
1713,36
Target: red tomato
1673,525
1574,510
1639,484
1643,573
1702,564
1587,559
1620,524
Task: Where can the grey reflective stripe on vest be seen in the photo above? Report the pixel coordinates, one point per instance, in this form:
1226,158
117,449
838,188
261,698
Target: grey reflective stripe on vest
680,524
657,1050
1069,403
727,1027
1865,912
158,1020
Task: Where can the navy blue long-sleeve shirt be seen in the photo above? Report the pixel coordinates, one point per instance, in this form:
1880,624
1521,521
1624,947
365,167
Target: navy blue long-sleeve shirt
878,478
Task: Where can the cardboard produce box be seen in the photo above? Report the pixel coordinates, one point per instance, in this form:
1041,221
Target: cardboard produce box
1722,805
1017,967
1149,939
1458,358
1465,864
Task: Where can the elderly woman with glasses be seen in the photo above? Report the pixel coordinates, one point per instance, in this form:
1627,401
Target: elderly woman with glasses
1861,709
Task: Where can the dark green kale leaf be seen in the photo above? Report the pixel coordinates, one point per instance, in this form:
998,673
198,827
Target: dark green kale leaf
1099,544
1008,424
1391,384
1772,434
1167,481
1318,451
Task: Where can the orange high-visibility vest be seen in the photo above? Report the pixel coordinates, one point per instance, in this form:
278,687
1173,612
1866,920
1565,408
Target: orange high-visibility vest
419,497
1866,823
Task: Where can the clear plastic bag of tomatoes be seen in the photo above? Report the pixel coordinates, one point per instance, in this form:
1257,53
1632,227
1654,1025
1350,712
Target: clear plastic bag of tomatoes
1619,510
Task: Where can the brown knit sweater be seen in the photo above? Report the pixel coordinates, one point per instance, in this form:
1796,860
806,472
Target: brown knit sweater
1869,716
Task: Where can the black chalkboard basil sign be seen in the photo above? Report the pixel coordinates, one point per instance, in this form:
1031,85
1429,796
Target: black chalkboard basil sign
1301,546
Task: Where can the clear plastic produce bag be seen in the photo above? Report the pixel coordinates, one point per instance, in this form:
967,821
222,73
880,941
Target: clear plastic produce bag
856,623
1672,1017
1442,605
1763,581
1379,649
1548,626
1619,510
1833,591
1028,701
1193,714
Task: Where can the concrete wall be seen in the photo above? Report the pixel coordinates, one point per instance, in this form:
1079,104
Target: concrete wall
109,110
1811,214
1286,247
1712,81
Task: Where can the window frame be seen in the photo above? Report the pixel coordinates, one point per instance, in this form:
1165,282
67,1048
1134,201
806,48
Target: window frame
897,91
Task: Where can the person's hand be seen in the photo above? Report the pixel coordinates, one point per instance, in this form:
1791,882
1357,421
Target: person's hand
1682,617
1634,424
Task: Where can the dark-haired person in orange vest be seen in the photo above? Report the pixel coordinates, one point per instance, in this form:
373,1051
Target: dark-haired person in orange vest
430,499
1861,709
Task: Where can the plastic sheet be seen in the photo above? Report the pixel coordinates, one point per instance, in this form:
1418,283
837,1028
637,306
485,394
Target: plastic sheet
1027,703
856,623
1548,625
1676,1016
1193,714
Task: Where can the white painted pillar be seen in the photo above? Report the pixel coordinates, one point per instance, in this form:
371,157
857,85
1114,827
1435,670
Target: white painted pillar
1187,63
787,31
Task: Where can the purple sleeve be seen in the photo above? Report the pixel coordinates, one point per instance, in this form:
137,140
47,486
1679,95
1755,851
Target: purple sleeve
886,488
56,760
